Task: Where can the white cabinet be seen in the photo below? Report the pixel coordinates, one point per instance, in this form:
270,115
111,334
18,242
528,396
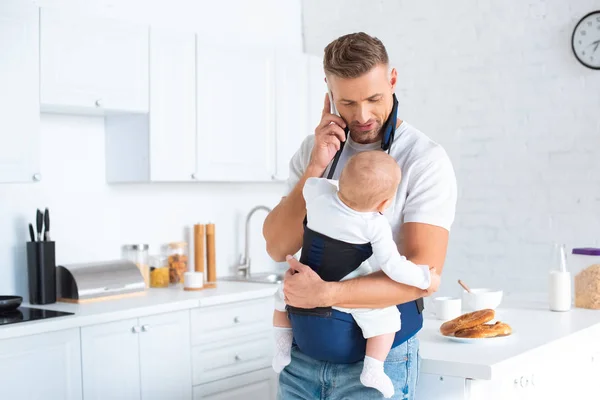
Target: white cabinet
236,114
291,108
159,146
40,367
145,358
19,92
92,65
260,384
317,88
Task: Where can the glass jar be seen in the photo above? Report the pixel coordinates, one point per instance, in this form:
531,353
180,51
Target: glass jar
138,254
159,271
178,261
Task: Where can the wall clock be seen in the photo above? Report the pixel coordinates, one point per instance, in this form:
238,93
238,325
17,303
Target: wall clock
586,40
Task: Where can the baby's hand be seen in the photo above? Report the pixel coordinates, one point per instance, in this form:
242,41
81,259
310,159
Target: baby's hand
435,282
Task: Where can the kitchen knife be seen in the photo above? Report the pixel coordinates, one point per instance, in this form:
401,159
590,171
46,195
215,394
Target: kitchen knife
31,234
46,225
39,221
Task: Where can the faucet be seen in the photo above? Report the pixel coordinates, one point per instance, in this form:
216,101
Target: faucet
244,265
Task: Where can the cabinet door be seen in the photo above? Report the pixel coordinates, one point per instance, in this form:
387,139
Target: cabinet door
172,105
261,384
235,114
291,95
317,88
40,367
19,91
110,360
92,65
165,360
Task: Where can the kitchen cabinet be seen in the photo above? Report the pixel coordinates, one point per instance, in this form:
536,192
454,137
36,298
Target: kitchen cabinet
292,108
159,146
19,93
235,113
260,384
44,366
144,358
92,65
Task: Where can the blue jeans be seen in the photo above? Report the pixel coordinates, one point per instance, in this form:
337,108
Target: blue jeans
308,379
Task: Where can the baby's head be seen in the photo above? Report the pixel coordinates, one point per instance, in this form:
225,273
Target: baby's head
369,181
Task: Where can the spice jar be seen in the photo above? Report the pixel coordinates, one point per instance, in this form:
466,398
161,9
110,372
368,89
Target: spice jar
138,254
178,261
159,272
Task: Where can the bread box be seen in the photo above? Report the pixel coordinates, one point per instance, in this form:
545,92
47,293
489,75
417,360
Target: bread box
585,264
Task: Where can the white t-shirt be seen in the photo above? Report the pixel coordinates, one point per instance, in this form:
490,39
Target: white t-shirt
427,191
329,216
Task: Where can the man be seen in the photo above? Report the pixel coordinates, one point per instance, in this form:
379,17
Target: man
362,87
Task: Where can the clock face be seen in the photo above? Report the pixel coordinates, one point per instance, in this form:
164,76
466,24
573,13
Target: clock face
586,40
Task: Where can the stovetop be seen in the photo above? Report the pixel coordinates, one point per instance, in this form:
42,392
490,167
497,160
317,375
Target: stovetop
24,314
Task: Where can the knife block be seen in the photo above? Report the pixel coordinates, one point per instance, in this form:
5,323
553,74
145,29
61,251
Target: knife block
41,272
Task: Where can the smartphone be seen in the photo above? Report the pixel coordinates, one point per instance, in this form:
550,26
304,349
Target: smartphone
332,108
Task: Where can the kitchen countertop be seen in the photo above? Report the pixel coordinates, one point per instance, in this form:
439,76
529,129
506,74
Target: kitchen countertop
153,301
539,335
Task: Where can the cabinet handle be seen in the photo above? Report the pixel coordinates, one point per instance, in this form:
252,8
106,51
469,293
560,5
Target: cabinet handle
236,320
99,103
135,329
238,358
194,176
37,177
145,328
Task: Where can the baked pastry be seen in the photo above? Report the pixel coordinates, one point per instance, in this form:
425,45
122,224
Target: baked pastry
485,331
468,320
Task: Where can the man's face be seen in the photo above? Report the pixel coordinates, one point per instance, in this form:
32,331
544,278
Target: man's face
364,102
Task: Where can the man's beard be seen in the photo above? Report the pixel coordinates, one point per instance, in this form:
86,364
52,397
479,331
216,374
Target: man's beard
361,136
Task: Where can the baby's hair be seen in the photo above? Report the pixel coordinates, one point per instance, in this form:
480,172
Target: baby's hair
368,179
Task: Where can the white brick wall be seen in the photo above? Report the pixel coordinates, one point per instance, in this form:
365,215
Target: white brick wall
496,84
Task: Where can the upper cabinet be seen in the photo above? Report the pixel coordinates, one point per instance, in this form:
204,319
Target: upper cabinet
236,114
19,92
159,146
92,65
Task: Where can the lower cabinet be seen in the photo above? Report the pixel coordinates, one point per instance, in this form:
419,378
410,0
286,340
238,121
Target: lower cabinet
143,358
41,367
256,385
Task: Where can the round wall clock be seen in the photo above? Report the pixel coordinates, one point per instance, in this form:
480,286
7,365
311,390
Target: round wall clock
586,40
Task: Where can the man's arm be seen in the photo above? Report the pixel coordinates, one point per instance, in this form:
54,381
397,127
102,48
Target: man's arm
282,228
422,244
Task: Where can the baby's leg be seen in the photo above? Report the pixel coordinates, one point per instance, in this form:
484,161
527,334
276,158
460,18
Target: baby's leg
282,333
378,347
379,327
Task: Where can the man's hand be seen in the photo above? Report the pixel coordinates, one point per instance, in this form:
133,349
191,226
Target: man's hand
302,287
328,137
435,282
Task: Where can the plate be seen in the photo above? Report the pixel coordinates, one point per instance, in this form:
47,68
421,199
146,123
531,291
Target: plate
476,340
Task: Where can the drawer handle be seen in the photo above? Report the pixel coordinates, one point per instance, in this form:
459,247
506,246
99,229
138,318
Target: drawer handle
238,358
236,320
135,329
145,328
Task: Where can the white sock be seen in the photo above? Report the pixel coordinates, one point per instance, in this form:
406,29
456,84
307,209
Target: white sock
373,376
283,348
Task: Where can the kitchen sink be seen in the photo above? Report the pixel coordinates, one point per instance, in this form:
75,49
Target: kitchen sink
260,277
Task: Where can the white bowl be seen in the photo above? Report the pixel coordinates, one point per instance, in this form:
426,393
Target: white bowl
482,298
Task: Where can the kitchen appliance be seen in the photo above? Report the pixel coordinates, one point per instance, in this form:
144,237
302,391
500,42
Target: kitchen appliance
25,314
80,283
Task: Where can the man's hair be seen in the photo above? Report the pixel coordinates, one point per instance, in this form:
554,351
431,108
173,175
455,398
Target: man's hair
353,55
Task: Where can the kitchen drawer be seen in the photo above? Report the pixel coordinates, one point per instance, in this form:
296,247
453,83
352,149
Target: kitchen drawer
256,385
229,321
210,363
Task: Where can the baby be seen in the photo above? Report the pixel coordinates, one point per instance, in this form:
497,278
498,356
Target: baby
354,214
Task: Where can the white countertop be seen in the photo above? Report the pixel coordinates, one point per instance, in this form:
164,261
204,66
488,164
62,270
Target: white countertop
153,301
537,333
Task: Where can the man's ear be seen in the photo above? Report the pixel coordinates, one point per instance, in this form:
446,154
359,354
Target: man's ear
393,78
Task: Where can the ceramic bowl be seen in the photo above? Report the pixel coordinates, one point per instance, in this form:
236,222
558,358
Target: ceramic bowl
482,298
